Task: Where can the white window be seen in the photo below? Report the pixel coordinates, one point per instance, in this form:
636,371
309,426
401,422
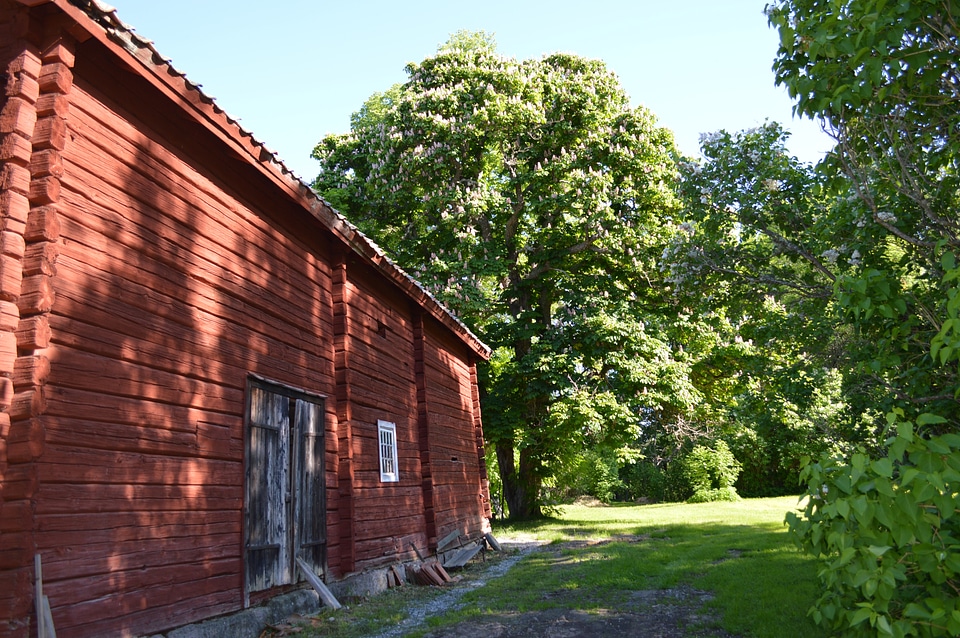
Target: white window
387,434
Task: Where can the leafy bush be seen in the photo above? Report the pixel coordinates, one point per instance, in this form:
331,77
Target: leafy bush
888,533
646,480
593,472
711,473
713,495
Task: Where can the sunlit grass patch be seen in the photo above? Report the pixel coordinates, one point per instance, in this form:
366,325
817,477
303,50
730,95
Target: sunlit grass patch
738,551
733,564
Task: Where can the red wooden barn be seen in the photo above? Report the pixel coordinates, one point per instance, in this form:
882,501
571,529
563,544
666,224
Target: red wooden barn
205,372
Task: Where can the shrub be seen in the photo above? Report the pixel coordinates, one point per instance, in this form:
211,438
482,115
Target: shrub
887,531
647,480
711,495
711,473
594,472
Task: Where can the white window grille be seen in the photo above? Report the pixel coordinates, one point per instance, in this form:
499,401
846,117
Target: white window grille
387,435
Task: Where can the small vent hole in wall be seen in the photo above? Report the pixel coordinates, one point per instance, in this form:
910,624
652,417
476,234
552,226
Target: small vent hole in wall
382,329
454,459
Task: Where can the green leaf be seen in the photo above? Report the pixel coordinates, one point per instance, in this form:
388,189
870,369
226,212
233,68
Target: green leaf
905,430
907,476
883,626
843,508
883,467
930,419
862,614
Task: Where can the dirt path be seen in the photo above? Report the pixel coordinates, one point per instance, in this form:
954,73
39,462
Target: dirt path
671,613
450,599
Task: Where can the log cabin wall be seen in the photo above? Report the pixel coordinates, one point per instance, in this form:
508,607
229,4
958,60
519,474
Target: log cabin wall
388,518
455,444
148,268
174,281
20,65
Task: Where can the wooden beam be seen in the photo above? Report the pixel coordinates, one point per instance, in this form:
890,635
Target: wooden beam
464,555
325,594
448,539
45,628
401,580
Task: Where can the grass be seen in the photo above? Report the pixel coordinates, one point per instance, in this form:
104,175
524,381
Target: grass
360,619
601,556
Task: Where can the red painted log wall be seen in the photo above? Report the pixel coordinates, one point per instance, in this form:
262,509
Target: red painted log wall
171,287
145,271
458,468
21,65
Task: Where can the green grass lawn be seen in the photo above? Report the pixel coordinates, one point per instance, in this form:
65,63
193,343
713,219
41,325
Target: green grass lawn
762,586
740,552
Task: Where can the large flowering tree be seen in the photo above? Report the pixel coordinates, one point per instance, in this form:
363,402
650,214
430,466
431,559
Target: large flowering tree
531,198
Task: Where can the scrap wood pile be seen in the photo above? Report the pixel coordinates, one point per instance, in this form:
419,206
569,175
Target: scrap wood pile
453,552
428,573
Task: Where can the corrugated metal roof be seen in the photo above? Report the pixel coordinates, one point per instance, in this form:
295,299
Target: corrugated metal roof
152,61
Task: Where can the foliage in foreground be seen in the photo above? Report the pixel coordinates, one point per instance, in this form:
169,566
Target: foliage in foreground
888,532
883,77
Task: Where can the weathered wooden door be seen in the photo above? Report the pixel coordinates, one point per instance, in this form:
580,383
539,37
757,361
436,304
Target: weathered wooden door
284,502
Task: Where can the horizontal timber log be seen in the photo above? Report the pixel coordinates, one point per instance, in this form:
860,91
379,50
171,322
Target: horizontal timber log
36,295
155,531
80,561
72,464
158,618
82,602
33,333
77,498
120,521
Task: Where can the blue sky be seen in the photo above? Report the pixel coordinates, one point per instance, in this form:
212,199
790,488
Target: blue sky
294,70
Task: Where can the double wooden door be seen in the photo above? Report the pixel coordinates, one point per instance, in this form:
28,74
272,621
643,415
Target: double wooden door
284,505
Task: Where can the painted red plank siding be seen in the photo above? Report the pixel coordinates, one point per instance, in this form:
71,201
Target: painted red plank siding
154,258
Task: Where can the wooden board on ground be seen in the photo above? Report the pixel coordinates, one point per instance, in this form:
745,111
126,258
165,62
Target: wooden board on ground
442,572
427,569
325,594
462,557
448,539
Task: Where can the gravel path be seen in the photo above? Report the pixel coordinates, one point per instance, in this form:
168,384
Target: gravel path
450,599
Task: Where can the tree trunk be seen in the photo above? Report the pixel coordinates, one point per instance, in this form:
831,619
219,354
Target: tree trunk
521,485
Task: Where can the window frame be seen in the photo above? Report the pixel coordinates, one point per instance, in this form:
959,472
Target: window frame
387,452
